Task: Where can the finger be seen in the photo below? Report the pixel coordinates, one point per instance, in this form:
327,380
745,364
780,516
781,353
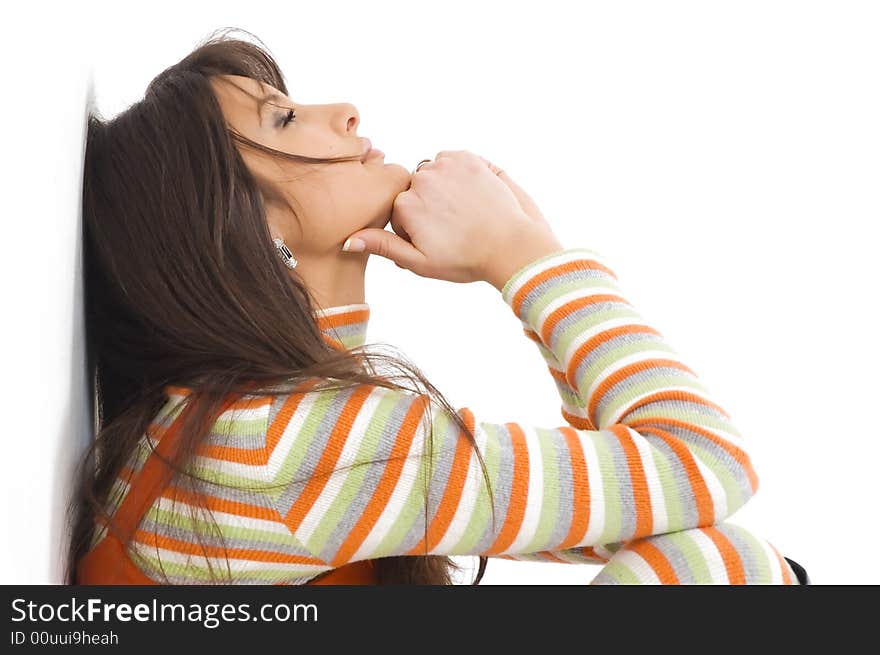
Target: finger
525,200
385,243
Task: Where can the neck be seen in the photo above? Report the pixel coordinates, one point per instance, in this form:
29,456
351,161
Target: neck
334,278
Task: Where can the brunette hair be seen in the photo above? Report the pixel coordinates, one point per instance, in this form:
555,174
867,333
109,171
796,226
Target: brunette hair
183,287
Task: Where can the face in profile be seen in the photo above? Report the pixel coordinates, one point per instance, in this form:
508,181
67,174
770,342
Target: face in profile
331,200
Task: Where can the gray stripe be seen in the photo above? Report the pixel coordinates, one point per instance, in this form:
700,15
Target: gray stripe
564,485
553,285
737,471
683,491
209,537
503,486
355,507
747,555
602,349
638,378
671,550
591,313
321,437
624,484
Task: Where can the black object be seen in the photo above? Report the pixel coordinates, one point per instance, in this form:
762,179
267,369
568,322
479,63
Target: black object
799,571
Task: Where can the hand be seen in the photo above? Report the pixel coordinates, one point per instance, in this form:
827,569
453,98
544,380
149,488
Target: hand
461,222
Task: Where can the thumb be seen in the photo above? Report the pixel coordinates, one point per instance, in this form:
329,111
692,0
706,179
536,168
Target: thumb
386,244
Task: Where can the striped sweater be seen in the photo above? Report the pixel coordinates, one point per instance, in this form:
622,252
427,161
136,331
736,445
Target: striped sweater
308,481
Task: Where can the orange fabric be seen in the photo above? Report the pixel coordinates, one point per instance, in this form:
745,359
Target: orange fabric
108,563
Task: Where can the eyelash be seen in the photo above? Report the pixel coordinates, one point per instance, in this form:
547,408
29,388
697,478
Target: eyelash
288,117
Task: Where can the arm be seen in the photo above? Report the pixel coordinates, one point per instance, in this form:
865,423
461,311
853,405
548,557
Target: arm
662,457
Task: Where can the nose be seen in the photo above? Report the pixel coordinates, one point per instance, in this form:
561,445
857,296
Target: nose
350,118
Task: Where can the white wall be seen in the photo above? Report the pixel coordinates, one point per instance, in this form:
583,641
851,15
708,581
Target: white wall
722,155
46,89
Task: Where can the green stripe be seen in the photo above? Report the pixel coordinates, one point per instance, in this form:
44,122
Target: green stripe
352,485
550,502
481,517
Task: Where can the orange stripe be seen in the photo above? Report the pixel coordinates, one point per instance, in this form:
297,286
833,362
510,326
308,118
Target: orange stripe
591,344
705,504
586,263
282,418
786,576
531,334
149,538
329,457
516,508
739,455
656,559
590,552
148,483
343,319
580,483
453,492
674,394
178,494
732,561
569,308
558,375
625,372
550,556
259,456
387,482
580,422
638,482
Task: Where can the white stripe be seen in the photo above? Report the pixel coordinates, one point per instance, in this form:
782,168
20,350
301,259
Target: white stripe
245,414
602,551
409,475
597,490
716,490
349,456
603,287
711,555
637,565
616,413
776,576
341,309
466,506
534,492
569,255
622,362
583,336
659,513
227,519
150,551
722,434
291,433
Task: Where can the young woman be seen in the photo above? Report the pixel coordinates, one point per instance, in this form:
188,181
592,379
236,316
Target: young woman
247,433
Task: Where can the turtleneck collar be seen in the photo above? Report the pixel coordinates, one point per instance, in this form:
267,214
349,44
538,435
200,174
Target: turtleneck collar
342,326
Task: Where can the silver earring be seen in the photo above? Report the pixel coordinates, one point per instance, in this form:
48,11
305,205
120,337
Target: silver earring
285,254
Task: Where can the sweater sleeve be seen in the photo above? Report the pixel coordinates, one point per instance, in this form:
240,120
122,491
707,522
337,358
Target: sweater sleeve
370,472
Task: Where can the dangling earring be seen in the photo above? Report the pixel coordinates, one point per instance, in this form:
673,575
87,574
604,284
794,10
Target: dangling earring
285,254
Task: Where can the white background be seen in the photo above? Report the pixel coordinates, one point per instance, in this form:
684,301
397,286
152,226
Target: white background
724,157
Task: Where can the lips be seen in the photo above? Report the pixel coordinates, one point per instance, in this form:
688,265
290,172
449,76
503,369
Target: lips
367,146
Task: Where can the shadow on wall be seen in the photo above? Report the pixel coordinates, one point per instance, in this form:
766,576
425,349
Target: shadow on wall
77,420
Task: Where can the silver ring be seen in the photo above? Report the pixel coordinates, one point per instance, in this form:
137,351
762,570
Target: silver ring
424,161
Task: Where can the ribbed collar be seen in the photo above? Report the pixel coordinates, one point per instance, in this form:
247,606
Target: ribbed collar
342,326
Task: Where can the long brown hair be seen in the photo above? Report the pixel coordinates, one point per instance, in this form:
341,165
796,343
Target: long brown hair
183,288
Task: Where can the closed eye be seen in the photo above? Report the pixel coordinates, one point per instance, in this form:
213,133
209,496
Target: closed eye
287,118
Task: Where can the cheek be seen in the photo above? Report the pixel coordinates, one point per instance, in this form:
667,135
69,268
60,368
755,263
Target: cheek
366,194
334,203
